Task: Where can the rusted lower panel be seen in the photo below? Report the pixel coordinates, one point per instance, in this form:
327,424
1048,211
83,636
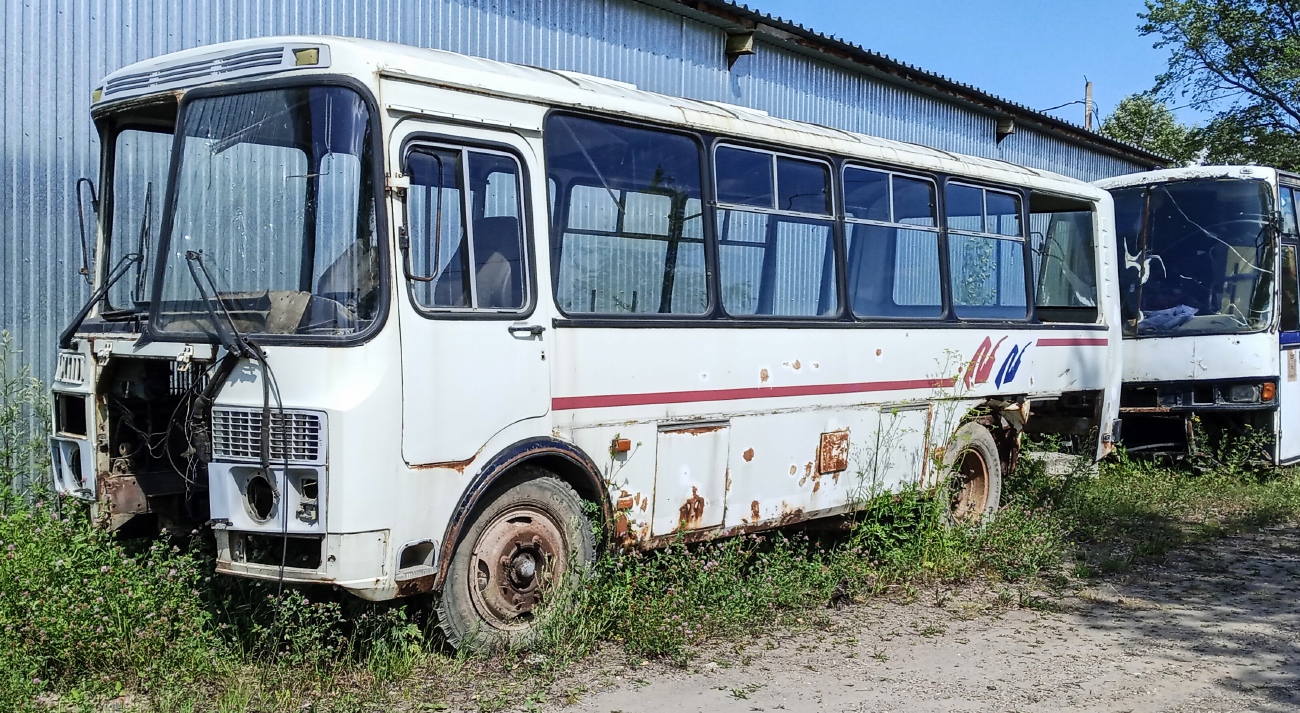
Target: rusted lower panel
833,452
691,478
692,511
415,585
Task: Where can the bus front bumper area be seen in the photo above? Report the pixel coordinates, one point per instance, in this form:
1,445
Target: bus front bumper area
353,561
1173,418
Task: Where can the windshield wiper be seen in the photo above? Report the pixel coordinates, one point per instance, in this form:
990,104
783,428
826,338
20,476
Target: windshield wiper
146,223
234,342
65,339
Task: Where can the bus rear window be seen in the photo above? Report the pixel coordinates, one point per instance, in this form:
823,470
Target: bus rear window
1061,233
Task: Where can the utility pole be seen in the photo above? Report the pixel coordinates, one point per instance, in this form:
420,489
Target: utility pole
1087,105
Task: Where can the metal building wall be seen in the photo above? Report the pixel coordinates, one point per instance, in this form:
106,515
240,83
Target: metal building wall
55,51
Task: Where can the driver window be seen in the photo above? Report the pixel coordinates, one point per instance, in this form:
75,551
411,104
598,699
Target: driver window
465,249
1286,195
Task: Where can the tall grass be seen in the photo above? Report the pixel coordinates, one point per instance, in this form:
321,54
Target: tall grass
85,615
24,412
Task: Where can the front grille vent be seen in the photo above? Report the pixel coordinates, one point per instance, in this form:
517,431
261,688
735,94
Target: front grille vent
237,435
239,63
71,369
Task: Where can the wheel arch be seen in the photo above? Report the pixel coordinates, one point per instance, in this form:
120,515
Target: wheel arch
565,460
1004,418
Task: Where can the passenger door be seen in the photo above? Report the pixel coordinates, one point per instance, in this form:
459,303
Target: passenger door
473,339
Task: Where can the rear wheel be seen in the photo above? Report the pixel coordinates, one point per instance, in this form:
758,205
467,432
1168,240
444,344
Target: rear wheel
973,475
528,540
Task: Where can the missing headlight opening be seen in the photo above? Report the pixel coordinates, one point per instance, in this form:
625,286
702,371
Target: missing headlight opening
308,505
260,496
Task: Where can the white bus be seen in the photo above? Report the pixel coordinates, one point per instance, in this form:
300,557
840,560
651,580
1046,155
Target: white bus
402,320
1210,336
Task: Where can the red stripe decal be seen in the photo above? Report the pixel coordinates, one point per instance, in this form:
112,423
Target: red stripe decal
759,392
1073,342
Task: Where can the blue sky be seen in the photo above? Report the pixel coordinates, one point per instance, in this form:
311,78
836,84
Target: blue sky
1034,52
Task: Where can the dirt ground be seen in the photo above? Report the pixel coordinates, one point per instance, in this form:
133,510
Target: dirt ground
1216,628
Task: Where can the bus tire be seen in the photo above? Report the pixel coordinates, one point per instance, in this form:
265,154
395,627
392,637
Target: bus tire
972,482
529,539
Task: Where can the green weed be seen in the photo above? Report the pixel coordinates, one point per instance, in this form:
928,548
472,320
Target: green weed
86,617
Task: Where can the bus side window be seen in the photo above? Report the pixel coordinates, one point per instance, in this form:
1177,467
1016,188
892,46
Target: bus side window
776,245
466,248
1062,236
627,232
893,245
1286,206
986,253
1289,291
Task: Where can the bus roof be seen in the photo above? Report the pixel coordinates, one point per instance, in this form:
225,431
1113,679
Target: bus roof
264,56
1187,173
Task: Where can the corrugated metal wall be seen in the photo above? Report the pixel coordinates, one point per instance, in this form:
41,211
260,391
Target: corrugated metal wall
56,50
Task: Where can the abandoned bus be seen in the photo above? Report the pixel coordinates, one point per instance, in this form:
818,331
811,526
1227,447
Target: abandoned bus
1210,336
401,320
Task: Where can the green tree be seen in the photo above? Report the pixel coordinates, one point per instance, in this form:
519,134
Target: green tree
1146,122
1240,60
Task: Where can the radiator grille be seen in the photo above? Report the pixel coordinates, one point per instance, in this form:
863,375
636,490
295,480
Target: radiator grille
237,435
70,369
213,68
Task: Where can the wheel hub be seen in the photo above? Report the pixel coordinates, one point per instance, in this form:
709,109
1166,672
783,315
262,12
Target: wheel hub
515,557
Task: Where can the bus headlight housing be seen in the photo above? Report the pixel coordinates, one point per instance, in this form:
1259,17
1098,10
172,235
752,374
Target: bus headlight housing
1243,394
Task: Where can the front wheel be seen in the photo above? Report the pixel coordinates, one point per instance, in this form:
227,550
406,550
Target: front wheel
528,540
972,472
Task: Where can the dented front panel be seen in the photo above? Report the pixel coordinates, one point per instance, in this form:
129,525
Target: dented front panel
1201,358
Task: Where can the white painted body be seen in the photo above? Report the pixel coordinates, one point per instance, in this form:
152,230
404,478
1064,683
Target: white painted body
724,422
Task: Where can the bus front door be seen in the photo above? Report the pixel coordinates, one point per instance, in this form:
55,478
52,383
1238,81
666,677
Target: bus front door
473,337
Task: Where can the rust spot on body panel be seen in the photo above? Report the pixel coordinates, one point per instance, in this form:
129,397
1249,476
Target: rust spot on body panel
833,452
699,430
417,585
762,376
692,511
749,455
457,465
753,512
789,516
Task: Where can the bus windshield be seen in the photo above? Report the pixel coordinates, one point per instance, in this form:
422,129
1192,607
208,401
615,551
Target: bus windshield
1196,255
273,218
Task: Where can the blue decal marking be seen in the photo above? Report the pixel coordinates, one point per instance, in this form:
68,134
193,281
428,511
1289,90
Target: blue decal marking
1007,373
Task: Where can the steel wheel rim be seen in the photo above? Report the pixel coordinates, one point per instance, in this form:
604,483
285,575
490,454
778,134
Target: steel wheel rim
969,496
515,558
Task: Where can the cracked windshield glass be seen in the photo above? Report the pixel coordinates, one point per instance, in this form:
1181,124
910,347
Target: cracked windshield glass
273,221
1201,262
